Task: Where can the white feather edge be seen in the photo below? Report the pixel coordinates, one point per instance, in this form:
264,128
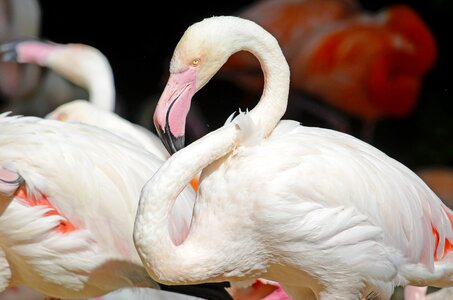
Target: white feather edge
251,133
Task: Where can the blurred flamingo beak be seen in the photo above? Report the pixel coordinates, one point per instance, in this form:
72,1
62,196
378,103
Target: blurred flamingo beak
173,107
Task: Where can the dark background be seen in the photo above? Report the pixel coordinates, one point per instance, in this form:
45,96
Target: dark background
138,39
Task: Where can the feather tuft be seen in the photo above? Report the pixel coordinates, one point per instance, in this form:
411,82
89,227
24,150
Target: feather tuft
251,133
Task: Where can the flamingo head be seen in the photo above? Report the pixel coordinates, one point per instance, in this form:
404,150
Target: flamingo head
173,107
30,51
200,53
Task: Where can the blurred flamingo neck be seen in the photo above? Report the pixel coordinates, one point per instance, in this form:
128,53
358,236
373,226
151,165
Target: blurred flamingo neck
102,92
97,77
88,68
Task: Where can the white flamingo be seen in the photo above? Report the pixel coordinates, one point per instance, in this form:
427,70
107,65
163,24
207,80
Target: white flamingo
69,194
323,213
87,67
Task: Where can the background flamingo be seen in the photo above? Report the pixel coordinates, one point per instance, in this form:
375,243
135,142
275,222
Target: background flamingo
291,22
88,67
202,50
366,65
54,230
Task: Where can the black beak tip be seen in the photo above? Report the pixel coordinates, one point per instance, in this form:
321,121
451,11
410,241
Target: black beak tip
8,51
172,143
177,143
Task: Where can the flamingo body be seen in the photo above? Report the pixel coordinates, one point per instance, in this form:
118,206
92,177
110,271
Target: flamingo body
68,229
323,213
82,64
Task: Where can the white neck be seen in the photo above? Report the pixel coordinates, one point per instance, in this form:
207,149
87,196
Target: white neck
273,102
88,68
164,260
248,36
101,89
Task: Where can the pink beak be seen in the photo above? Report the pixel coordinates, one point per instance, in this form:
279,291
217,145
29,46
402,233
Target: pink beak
172,109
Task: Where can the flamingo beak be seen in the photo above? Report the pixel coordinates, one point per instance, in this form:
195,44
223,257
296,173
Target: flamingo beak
27,50
172,109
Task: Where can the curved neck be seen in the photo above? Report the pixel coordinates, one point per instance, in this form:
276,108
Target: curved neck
89,69
274,99
101,89
163,260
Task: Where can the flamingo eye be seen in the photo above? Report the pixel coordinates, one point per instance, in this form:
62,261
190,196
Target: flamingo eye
195,62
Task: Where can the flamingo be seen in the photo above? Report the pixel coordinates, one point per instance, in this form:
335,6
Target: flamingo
87,67
373,64
326,215
355,64
82,64
69,194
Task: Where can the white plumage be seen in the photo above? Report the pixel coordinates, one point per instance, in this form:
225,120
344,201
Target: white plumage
85,112
71,234
323,213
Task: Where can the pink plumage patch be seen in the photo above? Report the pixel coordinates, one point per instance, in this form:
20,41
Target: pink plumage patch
64,227
448,246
